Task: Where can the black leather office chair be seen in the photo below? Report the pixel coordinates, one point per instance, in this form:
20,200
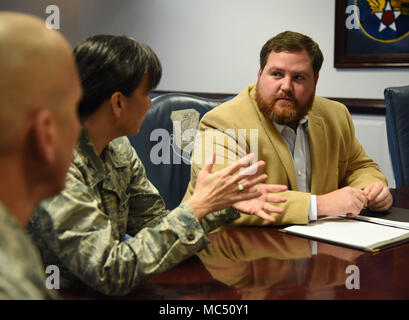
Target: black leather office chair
397,125
165,142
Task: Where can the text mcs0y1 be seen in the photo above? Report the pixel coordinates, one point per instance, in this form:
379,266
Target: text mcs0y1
206,309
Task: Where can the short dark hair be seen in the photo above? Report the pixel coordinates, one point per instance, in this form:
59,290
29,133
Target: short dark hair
292,42
108,64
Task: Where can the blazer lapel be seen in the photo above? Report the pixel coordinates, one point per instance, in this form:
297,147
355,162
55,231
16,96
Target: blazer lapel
280,147
317,138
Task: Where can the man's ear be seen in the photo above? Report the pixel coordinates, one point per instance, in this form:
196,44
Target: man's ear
316,78
44,136
117,103
259,73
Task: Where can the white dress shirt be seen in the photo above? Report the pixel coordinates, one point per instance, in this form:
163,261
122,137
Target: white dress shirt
299,147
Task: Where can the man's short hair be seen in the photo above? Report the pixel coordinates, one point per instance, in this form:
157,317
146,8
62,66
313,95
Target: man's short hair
108,64
292,42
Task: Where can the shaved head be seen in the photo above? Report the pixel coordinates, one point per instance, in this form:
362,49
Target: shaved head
40,90
37,71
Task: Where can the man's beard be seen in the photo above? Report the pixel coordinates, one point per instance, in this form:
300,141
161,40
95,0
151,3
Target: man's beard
284,112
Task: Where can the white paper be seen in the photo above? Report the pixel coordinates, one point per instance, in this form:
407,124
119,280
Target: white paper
397,224
347,231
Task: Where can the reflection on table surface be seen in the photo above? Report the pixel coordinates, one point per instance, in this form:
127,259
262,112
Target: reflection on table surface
264,263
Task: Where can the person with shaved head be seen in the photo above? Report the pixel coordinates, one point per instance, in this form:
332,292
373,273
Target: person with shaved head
40,90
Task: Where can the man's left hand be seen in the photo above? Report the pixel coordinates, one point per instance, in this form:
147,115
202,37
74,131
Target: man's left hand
378,196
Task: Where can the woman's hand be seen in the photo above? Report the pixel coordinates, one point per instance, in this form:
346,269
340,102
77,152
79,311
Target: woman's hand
219,190
261,205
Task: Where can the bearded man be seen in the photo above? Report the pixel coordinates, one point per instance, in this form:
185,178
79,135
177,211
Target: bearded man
308,142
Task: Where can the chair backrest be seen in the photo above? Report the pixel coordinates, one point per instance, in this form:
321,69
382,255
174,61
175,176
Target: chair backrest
165,141
397,126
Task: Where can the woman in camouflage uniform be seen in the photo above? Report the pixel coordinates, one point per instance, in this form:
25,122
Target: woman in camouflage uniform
107,194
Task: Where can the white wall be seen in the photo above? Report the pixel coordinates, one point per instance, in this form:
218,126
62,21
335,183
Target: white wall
370,130
213,45
68,12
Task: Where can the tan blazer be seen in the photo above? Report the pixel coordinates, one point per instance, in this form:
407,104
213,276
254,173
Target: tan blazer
337,158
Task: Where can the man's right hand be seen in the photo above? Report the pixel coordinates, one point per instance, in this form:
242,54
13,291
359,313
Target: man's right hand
348,200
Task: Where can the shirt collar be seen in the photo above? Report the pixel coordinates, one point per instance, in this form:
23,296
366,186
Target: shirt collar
303,123
109,154
86,155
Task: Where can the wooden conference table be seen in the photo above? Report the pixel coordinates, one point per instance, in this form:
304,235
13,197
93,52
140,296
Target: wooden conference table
264,263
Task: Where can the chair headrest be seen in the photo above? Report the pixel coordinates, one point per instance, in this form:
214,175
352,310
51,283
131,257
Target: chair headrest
165,141
396,92
397,127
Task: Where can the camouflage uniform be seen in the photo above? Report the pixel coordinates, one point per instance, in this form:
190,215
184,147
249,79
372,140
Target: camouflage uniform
22,275
105,198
